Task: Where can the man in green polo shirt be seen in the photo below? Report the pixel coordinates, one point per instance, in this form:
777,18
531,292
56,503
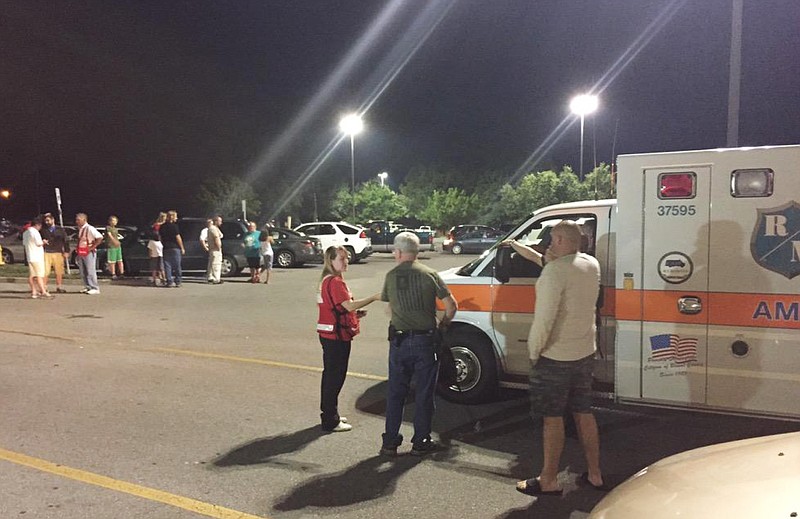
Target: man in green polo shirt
411,289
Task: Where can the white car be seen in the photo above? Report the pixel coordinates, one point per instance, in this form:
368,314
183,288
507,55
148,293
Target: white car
343,234
745,479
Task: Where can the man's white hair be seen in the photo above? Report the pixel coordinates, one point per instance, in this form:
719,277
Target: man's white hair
407,242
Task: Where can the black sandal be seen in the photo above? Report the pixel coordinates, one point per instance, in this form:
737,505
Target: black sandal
532,487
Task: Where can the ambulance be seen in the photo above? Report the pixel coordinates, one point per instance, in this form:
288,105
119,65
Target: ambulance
700,307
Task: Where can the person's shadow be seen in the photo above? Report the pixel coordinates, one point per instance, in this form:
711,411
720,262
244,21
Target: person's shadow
265,450
369,479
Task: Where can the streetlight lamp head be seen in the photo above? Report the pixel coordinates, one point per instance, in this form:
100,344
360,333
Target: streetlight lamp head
5,193
583,104
351,124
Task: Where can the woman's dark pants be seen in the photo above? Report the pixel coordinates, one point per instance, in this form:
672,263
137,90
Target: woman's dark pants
335,357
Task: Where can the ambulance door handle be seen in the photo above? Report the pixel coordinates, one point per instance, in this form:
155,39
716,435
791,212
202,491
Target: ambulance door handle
690,305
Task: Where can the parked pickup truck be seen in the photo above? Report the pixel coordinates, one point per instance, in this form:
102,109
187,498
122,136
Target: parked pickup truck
382,234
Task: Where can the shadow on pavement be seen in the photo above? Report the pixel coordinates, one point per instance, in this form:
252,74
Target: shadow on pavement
264,450
369,479
632,437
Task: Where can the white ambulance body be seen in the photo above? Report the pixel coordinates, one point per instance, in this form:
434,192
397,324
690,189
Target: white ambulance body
700,260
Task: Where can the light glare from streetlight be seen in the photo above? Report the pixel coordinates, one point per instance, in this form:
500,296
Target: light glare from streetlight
351,124
5,193
583,104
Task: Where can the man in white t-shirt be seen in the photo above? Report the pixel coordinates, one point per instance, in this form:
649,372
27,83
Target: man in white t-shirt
34,253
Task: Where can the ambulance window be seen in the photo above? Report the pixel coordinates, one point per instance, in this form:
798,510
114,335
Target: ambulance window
751,183
677,185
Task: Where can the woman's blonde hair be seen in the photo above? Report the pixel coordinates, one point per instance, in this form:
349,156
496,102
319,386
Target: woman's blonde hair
327,262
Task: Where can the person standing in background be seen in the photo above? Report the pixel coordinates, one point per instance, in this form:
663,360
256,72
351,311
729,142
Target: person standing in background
34,253
113,249
252,251
214,248
155,251
173,249
56,251
266,241
89,239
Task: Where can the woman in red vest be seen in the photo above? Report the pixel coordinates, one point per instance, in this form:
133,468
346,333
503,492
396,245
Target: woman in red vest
337,325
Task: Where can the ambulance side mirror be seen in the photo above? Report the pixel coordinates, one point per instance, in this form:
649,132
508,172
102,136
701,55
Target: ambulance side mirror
502,263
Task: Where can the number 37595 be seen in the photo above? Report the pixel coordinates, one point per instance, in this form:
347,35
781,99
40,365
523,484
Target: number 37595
676,210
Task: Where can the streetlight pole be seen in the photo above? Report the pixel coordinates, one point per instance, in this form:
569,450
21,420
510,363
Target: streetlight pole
582,105
351,125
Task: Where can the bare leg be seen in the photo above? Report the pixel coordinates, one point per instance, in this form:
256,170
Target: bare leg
33,285
40,284
553,444
590,440
121,268
269,275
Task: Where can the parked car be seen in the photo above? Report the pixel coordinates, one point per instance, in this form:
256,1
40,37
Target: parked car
757,477
351,237
13,251
381,234
473,242
458,230
293,249
195,259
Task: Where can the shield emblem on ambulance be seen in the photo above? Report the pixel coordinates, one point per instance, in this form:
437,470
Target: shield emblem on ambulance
775,244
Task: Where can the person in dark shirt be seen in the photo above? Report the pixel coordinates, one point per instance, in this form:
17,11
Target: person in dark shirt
173,249
56,250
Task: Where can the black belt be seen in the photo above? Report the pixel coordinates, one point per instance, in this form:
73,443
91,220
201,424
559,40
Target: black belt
411,333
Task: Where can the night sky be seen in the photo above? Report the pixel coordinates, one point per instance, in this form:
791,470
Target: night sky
129,106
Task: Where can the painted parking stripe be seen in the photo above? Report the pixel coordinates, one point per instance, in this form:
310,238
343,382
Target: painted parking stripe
151,494
273,363
40,335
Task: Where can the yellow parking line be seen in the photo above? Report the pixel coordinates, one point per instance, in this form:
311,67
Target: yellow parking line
263,362
192,505
33,334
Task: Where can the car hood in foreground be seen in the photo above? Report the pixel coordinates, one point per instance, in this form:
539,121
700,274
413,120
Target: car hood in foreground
757,477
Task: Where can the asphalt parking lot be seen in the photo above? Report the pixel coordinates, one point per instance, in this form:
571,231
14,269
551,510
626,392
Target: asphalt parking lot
203,401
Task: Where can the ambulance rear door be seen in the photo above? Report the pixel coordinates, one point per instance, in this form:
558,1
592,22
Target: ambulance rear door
674,294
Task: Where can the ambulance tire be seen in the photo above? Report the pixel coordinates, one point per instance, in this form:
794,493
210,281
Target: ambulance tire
476,366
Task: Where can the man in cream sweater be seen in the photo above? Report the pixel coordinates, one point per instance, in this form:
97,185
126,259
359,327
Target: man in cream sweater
561,345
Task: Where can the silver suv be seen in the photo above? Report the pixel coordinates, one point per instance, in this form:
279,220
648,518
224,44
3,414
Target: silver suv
352,238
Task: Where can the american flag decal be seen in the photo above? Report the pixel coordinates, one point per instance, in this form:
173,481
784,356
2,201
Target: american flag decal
673,347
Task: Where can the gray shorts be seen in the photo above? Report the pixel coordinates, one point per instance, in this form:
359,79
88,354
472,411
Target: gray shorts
557,386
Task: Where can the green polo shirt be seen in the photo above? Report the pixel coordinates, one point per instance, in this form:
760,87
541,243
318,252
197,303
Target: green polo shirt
411,289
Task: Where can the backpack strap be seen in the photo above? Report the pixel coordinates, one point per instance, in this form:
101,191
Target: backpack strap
337,314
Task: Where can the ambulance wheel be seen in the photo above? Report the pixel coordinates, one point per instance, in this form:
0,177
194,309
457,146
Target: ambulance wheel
476,367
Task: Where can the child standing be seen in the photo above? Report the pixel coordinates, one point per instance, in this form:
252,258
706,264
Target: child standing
155,251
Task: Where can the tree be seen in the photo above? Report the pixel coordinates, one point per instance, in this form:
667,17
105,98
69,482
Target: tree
373,202
224,195
597,184
377,202
450,207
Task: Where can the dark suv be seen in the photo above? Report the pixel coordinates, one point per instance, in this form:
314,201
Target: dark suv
196,258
